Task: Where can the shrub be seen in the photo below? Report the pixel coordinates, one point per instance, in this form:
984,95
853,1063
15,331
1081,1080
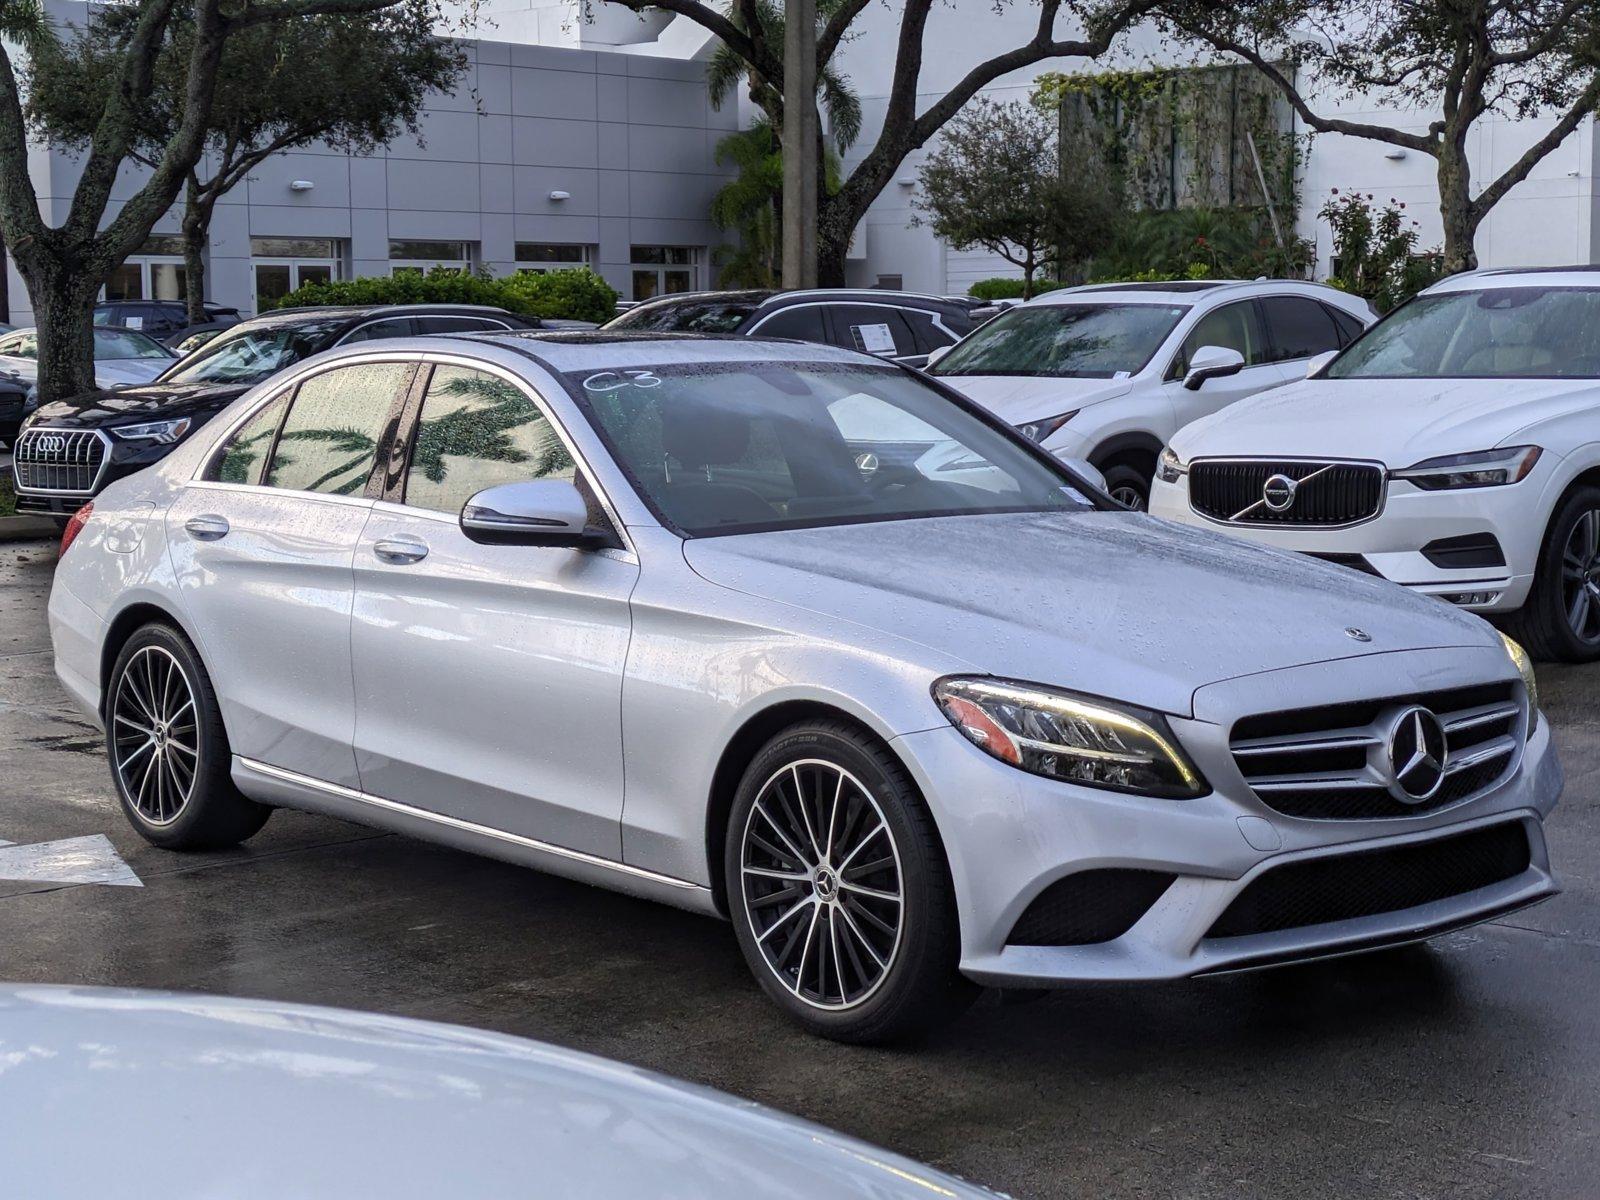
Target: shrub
577,295
1200,243
1010,289
1375,251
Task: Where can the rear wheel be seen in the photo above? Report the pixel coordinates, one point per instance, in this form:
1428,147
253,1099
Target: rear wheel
839,890
1561,618
1128,485
168,750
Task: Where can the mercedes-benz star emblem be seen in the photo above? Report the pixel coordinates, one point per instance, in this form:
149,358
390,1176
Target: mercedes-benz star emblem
1417,755
1277,493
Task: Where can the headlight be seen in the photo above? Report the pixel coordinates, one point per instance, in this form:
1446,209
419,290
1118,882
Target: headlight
1485,468
1037,431
1074,738
1169,467
1525,668
165,432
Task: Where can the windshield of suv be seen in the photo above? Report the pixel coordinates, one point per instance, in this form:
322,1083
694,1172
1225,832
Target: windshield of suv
1065,341
735,448
249,352
125,343
1492,333
686,316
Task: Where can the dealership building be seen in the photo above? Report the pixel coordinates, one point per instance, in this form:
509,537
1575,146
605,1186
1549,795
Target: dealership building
592,141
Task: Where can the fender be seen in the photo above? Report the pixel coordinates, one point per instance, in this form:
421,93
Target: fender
1121,443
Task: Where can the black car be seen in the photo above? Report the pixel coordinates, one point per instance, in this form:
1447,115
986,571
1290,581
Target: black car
165,320
13,398
69,449
902,326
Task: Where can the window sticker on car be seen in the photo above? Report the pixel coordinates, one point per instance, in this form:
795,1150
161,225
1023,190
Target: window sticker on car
134,322
874,339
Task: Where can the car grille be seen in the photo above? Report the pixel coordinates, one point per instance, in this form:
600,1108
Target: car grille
1345,887
1330,763
59,460
1326,493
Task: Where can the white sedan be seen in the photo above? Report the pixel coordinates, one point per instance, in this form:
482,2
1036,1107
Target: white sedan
1454,449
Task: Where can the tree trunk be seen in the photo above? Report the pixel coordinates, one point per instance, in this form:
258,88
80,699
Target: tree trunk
63,311
835,224
196,225
1456,211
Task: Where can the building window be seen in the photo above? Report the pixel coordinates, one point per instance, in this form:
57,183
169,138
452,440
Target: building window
283,264
426,256
155,272
543,257
663,270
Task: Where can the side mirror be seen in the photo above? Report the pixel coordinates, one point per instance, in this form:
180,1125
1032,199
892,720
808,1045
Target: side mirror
1314,367
1086,471
540,512
1211,362
935,355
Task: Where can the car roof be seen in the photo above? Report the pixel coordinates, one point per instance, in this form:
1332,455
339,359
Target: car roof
353,312
859,296
583,350
1579,275
1196,292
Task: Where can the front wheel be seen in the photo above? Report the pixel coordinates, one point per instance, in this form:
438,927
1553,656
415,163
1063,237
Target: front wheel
1561,619
168,750
1128,486
839,891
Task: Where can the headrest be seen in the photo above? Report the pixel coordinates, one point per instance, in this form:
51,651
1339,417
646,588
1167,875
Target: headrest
702,436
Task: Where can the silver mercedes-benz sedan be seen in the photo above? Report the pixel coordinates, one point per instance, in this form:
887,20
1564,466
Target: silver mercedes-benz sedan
798,637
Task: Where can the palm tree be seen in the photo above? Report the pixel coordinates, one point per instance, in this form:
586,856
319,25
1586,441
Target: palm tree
751,203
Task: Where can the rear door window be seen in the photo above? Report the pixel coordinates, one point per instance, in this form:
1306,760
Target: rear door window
335,427
1349,327
803,322
393,327
1298,327
446,324
872,329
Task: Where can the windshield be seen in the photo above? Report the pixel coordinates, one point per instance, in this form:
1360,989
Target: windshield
1065,341
247,353
125,343
686,316
1494,333
734,448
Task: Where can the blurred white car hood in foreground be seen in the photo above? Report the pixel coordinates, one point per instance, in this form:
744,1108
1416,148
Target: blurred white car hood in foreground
1017,399
126,1093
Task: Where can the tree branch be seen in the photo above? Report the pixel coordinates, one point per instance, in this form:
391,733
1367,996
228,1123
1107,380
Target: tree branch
833,32
1519,170
702,15
19,203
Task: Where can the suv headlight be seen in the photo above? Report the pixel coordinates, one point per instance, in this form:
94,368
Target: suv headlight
165,432
1483,468
1074,738
1524,665
1169,467
1037,431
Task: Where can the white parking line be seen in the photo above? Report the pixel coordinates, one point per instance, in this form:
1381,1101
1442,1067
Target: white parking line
91,859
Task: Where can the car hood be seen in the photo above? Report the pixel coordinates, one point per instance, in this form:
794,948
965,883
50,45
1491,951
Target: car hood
131,405
1394,421
1119,604
129,370
1018,399
367,1105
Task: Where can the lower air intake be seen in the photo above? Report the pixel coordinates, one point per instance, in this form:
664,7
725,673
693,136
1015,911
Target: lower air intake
1089,907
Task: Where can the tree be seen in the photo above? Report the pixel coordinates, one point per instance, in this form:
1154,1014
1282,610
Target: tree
907,125
996,181
1461,59
64,265
354,81
752,203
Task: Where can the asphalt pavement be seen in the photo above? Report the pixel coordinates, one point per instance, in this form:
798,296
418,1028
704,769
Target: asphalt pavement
1470,1068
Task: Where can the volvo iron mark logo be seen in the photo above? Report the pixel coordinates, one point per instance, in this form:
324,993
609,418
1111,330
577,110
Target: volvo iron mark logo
1278,493
1417,755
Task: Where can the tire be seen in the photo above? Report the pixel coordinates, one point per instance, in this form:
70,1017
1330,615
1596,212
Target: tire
894,966
1128,485
1560,621
167,749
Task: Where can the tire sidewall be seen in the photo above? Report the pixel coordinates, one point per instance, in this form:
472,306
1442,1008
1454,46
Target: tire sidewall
1122,475
1565,644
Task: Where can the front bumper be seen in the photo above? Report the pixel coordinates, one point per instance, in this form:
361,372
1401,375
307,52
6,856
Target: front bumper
1390,544
1010,836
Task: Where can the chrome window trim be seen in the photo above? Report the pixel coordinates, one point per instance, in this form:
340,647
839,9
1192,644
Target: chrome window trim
783,308
94,485
1260,459
395,806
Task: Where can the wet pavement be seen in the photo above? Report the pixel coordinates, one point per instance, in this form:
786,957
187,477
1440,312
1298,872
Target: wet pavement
1470,1068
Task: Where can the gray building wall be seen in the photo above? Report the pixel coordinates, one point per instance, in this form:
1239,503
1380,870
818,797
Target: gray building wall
630,138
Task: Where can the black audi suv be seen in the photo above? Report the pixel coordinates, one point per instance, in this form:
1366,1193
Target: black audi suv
70,449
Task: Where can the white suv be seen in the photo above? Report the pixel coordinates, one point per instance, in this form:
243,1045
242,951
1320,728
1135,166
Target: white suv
1455,448
1109,372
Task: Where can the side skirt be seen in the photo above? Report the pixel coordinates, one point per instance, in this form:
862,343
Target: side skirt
289,789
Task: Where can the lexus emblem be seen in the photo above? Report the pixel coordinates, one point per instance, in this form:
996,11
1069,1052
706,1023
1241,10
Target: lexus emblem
51,443
1417,753
1278,493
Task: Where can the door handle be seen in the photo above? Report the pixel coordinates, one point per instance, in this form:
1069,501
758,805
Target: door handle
399,551
208,527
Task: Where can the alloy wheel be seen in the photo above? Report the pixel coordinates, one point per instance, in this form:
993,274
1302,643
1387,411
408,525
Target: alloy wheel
1580,577
155,735
822,884
1129,496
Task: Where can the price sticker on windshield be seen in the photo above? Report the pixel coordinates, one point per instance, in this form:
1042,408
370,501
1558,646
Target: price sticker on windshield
874,339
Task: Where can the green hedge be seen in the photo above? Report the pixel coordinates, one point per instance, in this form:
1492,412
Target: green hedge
1010,289
579,295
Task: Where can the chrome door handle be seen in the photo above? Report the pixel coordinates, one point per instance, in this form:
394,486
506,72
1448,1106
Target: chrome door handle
207,527
399,551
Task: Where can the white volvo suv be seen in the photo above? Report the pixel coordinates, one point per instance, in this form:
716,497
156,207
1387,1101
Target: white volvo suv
1455,449
1109,372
